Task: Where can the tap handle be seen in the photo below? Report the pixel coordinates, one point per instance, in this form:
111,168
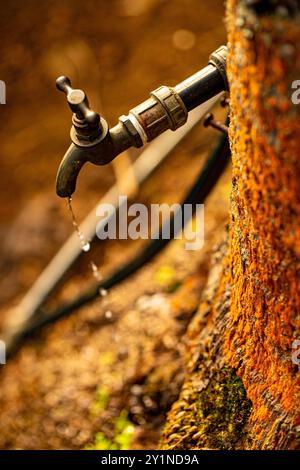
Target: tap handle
78,102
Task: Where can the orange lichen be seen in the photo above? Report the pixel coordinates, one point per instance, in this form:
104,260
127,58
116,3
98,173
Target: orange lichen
264,237
248,321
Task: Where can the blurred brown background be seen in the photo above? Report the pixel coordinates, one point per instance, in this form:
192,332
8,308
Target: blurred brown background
117,51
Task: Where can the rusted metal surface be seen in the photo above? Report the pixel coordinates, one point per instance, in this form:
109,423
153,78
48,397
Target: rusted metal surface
209,121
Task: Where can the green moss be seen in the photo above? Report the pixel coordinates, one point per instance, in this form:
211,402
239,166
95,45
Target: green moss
107,358
122,439
166,277
124,430
101,443
102,397
215,418
222,410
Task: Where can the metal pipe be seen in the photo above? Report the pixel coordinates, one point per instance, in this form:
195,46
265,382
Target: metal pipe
167,108
200,87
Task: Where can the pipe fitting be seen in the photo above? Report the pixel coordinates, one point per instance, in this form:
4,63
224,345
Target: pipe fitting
218,59
162,111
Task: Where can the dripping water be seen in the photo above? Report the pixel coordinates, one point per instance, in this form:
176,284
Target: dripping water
85,246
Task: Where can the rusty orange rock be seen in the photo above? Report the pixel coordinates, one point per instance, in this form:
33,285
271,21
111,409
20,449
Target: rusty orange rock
242,389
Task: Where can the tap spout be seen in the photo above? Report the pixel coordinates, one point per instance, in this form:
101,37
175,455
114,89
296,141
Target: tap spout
112,143
70,166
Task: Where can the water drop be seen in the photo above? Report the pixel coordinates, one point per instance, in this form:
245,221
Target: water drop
86,247
96,272
103,292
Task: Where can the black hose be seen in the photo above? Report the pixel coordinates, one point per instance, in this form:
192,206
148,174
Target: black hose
206,180
200,87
